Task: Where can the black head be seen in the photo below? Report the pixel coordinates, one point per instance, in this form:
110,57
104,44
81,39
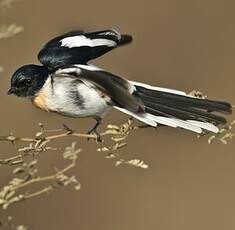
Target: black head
28,80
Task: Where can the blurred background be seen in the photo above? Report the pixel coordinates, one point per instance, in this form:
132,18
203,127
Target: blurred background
181,44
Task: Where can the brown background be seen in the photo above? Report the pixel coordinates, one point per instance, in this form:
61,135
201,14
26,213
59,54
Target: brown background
182,44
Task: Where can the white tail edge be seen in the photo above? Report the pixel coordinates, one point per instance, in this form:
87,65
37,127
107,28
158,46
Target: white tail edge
152,120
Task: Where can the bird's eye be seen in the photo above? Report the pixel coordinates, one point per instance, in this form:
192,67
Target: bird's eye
24,82
28,81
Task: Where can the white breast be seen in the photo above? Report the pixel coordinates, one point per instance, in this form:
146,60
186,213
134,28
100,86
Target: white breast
70,97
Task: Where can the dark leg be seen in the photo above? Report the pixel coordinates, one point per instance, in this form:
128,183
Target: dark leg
94,129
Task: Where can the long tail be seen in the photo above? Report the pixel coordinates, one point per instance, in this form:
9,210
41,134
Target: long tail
177,109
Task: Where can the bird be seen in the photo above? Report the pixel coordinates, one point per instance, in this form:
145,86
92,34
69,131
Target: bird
67,84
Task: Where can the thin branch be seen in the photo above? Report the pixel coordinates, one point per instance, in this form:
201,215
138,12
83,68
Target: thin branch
9,194
38,193
11,138
46,178
12,160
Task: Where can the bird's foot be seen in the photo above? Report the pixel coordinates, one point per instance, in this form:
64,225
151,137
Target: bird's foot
96,133
68,129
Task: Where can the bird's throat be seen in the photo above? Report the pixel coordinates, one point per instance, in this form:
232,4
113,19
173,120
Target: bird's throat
40,100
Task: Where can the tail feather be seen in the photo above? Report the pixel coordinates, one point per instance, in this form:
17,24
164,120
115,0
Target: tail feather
187,101
184,113
177,109
175,122
205,125
153,120
141,117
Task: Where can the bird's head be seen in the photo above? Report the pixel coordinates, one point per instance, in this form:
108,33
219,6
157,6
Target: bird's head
28,80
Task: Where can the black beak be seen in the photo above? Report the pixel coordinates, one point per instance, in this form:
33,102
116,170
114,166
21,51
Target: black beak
11,91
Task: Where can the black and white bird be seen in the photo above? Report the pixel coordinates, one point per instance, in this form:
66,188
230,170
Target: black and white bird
66,84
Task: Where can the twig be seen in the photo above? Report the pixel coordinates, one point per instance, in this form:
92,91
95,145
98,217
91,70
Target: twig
38,193
9,194
13,139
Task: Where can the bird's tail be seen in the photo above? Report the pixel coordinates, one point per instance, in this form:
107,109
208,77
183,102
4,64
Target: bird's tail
177,109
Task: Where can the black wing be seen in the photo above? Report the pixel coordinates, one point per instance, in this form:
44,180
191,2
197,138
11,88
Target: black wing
119,89
78,47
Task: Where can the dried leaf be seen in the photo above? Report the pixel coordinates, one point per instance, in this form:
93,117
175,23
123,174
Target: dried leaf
110,156
117,139
39,134
2,201
10,30
103,149
121,145
71,153
13,200
77,187
114,127
210,140
119,162
10,194
112,132
137,163
16,181
18,170
32,164
197,94
223,141
21,227
224,134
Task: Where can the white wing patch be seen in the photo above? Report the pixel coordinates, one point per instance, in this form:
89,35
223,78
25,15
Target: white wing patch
78,69
81,40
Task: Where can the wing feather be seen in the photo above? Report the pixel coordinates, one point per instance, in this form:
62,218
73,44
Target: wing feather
78,47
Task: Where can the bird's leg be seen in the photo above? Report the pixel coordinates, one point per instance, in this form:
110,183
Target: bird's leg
94,129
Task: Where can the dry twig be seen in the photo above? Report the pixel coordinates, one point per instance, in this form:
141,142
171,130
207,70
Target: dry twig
27,171
28,176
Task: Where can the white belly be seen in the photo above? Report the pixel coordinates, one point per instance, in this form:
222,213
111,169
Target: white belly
69,97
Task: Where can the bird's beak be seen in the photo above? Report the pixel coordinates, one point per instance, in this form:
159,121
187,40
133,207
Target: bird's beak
11,91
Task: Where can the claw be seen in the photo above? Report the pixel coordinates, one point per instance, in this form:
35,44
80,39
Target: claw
94,130
98,137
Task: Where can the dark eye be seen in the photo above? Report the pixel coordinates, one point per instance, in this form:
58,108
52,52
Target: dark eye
24,82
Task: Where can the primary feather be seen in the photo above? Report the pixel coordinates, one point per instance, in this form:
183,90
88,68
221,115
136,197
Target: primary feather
79,47
177,109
